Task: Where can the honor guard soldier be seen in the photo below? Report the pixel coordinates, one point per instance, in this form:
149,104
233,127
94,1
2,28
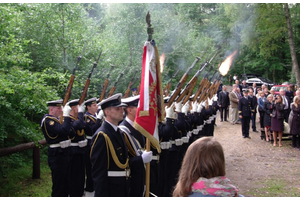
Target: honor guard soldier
93,122
56,135
78,149
169,152
245,112
109,153
136,144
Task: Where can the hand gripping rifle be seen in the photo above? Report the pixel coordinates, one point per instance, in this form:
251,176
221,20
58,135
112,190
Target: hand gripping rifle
126,94
168,86
112,90
70,85
105,84
87,83
202,84
182,81
187,91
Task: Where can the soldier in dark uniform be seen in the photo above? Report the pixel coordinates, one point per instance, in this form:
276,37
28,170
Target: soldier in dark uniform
78,149
169,153
93,122
136,144
56,135
109,153
245,112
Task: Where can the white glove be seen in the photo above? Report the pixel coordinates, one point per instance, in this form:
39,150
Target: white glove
100,114
170,111
215,98
147,156
194,107
204,103
81,108
178,106
210,101
66,110
185,108
199,108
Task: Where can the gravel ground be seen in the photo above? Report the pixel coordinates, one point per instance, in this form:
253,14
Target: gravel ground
255,166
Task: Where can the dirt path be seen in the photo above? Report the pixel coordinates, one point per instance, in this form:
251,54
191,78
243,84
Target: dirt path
255,166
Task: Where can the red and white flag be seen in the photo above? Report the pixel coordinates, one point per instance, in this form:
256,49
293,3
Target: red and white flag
150,109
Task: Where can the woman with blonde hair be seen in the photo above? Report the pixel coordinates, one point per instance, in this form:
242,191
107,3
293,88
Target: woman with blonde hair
295,122
267,109
203,171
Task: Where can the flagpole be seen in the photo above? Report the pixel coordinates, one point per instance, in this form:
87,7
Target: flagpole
147,179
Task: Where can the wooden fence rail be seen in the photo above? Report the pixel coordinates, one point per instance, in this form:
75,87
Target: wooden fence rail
36,172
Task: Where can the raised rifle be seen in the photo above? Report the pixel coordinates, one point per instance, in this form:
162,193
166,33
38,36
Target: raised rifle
87,83
112,90
105,84
183,79
188,89
70,85
126,94
168,86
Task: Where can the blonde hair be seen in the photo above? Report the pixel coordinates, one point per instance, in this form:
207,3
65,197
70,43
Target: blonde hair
296,101
270,96
203,158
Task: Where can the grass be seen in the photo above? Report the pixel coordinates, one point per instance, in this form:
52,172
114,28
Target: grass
19,183
274,188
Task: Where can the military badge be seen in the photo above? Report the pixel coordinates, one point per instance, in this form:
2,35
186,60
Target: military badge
88,121
51,123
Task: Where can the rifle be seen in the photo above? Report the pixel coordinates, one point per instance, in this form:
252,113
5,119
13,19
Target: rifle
87,83
202,84
188,89
105,84
70,85
126,94
182,81
206,89
112,90
168,86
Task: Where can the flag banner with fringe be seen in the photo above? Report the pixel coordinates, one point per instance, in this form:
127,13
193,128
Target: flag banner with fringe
150,109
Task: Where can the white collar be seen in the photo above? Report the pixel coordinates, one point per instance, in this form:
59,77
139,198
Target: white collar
129,121
114,126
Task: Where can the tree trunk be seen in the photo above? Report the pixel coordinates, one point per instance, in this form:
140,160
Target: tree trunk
292,45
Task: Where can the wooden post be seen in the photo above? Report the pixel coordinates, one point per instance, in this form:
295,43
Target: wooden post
36,172
147,171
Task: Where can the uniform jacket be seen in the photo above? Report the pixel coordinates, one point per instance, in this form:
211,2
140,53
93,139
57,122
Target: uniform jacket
245,107
108,186
77,129
137,169
233,99
92,124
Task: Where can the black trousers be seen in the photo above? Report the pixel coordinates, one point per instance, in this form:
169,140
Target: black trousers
253,120
59,164
223,112
89,184
77,176
246,125
261,119
286,114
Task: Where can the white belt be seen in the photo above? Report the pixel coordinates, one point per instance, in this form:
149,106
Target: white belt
155,157
81,144
62,144
172,141
125,173
89,137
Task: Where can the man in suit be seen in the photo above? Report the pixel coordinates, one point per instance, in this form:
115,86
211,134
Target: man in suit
254,106
109,153
245,112
223,103
237,82
254,88
234,100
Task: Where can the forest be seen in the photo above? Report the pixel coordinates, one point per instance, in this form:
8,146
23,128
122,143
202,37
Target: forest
40,44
